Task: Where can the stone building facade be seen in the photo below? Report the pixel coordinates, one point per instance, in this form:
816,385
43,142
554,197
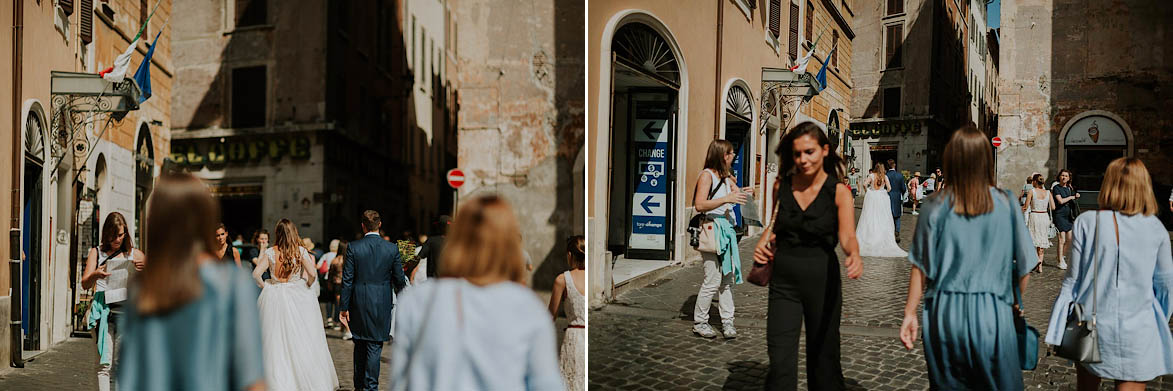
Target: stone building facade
74,169
519,74
1083,84
308,111
913,80
667,79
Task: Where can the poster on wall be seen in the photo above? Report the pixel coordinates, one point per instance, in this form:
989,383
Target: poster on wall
649,201
1095,130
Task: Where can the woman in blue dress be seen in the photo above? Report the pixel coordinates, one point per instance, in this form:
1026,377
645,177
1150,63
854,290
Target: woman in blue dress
192,321
1065,196
1132,294
969,248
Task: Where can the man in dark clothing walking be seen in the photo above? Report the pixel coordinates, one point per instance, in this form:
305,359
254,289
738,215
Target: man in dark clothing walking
434,246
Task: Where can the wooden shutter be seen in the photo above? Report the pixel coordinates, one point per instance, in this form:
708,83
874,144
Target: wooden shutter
834,51
810,21
66,5
895,7
895,34
793,45
776,17
87,21
142,12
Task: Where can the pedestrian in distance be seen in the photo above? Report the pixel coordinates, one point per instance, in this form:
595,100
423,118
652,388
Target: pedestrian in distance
915,192
430,252
895,194
874,233
372,273
476,326
1126,277
1039,204
192,321
328,293
715,195
815,213
930,185
336,265
1064,215
1026,189
261,242
969,333
225,252
104,315
572,355
295,351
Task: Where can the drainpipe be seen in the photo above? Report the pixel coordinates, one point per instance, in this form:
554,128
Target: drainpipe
14,326
718,114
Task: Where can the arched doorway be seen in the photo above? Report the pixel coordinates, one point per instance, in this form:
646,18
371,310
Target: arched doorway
645,86
144,181
738,122
32,239
1088,142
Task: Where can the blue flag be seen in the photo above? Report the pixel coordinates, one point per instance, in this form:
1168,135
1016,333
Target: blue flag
142,76
821,77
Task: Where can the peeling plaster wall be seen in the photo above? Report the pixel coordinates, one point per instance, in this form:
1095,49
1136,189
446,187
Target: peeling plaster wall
520,126
1024,84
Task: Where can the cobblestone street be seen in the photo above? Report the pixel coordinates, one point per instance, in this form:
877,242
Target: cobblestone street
643,340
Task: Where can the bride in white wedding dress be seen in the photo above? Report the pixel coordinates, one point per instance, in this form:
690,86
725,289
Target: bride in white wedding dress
293,340
876,231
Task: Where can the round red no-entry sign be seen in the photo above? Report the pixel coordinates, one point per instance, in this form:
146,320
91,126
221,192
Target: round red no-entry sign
997,141
455,178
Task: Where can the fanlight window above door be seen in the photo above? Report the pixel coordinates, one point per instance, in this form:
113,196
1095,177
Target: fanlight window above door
738,102
34,139
645,48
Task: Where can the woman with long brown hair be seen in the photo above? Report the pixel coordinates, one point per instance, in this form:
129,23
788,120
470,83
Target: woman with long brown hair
476,326
715,196
192,321
116,248
1132,297
1065,196
970,248
296,355
816,213
1039,204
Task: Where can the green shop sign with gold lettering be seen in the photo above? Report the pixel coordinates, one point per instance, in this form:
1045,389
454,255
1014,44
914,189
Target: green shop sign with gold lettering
213,152
886,128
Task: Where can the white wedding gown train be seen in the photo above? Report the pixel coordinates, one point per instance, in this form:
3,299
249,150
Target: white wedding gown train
876,231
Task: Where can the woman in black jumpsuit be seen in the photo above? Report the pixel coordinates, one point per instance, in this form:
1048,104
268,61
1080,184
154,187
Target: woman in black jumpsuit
806,284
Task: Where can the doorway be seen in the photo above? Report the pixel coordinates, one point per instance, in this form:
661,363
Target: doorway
241,215
31,235
644,93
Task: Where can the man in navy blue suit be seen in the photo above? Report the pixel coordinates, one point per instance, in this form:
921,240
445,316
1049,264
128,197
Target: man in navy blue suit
896,179
372,269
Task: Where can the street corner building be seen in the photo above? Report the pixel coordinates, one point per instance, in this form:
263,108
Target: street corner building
1094,87
520,74
88,104
315,111
922,69
666,79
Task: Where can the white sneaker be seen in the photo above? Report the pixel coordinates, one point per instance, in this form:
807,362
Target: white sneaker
1062,264
704,330
728,330
914,213
347,336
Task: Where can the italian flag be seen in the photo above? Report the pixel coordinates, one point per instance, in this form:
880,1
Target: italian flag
117,73
800,64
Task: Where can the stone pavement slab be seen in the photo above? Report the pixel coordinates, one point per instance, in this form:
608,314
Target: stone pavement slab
644,341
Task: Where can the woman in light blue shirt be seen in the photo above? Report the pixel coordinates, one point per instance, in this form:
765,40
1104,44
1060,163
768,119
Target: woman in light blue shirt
1133,288
476,327
192,321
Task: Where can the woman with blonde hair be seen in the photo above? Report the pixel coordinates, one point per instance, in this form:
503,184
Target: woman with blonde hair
968,285
192,321
715,196
1121,270
476,326
296,355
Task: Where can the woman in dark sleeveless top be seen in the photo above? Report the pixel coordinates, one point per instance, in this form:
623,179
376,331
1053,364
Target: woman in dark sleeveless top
815,213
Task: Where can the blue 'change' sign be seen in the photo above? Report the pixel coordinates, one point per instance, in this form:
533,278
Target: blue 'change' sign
649,202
